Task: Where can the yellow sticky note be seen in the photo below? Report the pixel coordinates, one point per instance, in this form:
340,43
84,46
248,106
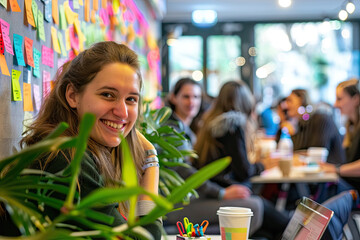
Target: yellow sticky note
28,104
15,85
81,3
55,40
69,14
3,66
67,39
62,46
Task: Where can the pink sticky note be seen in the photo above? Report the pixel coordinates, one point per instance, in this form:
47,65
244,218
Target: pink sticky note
104,16
37,96
74,41
47,56
5,28
46,84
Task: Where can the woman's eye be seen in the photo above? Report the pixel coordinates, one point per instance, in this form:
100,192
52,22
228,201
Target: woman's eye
107,95
132,99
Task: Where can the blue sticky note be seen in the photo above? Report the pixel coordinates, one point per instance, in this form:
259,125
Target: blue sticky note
27,76
18,49
37,56
48,10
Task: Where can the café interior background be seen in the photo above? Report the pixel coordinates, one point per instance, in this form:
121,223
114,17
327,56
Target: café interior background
273,48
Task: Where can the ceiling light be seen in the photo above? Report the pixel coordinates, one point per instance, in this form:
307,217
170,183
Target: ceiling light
343,15
285,3
350,7
204,18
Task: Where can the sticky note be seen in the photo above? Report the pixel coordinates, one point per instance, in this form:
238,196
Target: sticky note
87,10
3,65
29,52
2,46
37,96
14,6
28,119
46,84
55,11
115,5
47,10
27,75
61,62
62,17
55,40
18,49
37,56
4,3
104,16
76,4
34,8
47,56
74,41
15,85
28,104
5,28
62,46
81,3
29,13
40,27
67,39
96,5
69,14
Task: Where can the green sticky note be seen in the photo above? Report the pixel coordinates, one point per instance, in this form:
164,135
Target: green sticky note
76,4
62,17
4,3
40,26
62,46
34,8
37,56
15,85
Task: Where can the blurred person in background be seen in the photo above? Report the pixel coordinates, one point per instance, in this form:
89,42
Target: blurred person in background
309,128
225,133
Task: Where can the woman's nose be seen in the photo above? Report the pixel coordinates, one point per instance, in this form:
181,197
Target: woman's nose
120,109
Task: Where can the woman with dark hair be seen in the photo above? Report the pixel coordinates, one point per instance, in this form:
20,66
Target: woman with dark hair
225,133
309,128
104,80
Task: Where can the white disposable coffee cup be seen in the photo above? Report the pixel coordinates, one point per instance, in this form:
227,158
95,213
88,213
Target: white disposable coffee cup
234,222
317,154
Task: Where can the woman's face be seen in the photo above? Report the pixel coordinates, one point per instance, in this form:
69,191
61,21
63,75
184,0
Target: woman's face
345,102
187,101
113,96
293,103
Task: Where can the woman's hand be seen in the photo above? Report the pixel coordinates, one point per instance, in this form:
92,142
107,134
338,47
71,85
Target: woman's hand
270,162
237,191
328,167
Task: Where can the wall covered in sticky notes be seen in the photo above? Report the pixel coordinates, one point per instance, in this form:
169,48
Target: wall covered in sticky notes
37,37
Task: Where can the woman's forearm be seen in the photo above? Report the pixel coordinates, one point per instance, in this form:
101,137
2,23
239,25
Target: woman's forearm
350,169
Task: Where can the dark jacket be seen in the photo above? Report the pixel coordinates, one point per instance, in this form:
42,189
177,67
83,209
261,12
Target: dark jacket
228,131
320,131
353,154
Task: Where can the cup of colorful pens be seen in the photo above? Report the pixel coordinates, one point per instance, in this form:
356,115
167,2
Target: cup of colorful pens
188,230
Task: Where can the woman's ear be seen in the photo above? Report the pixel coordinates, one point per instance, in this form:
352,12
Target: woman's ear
71,96
172,98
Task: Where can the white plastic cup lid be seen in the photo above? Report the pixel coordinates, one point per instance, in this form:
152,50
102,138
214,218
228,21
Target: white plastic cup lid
317,151
239,211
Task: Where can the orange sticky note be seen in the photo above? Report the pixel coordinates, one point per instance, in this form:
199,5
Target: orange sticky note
3,65
55,11
29,14
87,10
14,6
96,5
104,3
28,104
93,16
55,40
29,52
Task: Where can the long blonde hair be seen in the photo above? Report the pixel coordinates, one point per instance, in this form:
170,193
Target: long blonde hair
79,72
351,87
233,96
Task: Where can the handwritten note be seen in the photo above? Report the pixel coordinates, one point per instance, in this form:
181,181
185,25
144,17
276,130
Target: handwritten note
14,6
47,56
55,40
37,96
47,10
37,56
28,104
40,27
2,47
29,52
5,28
29,14
55,11
15,85
27,76
46,84
18,49
62,46
3,66
34,8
